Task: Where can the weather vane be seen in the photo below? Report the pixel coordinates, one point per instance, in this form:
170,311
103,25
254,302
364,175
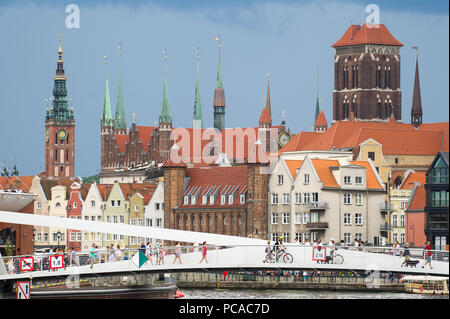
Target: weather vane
197,53
120,48
219,43
268,75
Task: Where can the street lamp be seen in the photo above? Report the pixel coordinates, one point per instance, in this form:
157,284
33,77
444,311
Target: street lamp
58,235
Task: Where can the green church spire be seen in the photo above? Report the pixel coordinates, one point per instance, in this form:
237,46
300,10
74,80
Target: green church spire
107,119
219,95
120,122
165,116
197,121
317,99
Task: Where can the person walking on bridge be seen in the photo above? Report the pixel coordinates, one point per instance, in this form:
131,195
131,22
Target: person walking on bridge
177,253
428,254
407,254
92,255
204,252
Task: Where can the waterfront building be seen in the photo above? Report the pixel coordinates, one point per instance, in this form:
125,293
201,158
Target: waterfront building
312,198
230,200
437,202
399,197
154,210
74,207
16,196
58,208
92,210
59,128
415,217
41,207
116,210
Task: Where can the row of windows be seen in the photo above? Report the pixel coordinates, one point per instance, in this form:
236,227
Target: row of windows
348,180
305,179
212,199
395,220
299,198
311,237
348,219
378,77
299,218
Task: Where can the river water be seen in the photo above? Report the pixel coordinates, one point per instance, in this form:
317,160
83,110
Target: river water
296,294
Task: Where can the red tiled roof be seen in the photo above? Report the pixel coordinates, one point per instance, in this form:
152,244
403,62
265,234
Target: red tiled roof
216,180
104,190
412,179
417,202
145,135
321,119
322,167
121,141
293,166
265,116
371,179
16,182
396,138
367,34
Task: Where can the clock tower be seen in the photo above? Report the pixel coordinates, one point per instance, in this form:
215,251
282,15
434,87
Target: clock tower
59,128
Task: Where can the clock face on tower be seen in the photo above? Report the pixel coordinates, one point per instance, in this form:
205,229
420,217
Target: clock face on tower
62,135
283,138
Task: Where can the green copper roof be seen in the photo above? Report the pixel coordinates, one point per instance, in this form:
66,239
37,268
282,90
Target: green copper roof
219,82
198,117
107,114
165,116
120,121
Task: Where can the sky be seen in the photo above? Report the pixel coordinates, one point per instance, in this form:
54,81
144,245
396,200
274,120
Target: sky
290,39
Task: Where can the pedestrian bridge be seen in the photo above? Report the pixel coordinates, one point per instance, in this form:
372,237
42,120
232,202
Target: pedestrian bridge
224,253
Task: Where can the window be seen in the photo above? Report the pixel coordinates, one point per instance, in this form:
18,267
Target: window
274,198
285,218
274,218
371,155
112,203
280,179
45,236
39,237
359,199
148,222
159,222
347,199
358,236
394,220
39,205
93,218
136,208
347,238
402,220
305,218
403,205
298,237
132,240
306,178
118,203
287,238
133,221
122,219
186,200
223,199
211,200
72,236
347,179
315,197
314,217
285,198
157,206
204,199
242,197
298,198
230,199
347,219
305,237
115,219
305,198
193,200
92,203
402,237
274,237
139,221
108,219
394,237
298,218
358,180
358,219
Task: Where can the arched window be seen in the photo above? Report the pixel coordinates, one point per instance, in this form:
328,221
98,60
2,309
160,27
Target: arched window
378,77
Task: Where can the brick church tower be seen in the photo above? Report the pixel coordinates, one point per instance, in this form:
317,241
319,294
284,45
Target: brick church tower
367,74
59,128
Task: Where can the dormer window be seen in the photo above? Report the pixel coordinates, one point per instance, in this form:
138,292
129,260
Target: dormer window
242,199
358,180
193,200
211,200
204,200
186,200
74,204
223,199
230,199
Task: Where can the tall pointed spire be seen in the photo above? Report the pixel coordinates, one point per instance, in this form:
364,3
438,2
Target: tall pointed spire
317,99
197,121
120,122
219,95
268,107
107,119
416,109
165,116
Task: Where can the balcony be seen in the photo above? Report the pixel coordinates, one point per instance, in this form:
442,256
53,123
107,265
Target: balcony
385,227
317,206
386,207
317,226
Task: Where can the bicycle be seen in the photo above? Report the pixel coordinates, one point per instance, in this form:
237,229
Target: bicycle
335,258
287,257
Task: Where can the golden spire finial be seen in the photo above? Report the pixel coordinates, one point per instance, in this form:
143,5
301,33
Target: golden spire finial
417,49
165,54
219,44
134,117
283,113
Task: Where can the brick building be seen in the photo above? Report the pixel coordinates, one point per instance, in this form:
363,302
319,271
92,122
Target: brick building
230,200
